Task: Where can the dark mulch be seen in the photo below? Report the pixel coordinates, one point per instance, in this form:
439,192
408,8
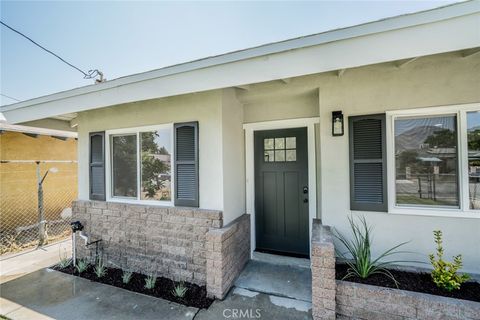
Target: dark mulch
413,281
196,296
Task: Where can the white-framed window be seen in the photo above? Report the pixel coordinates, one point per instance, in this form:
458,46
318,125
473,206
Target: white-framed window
433,161
139,165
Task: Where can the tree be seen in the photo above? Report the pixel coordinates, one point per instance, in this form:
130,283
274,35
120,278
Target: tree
442,138
152,167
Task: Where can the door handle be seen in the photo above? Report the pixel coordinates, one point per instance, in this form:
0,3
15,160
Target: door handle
305,200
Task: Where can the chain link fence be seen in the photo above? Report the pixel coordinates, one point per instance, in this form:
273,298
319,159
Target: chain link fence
24,220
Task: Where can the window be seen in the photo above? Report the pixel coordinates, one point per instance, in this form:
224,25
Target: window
426,161
434,161
141,163
280,149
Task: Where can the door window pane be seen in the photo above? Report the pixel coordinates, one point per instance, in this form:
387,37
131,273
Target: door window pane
426,161
124,165
291,142
268,144
473,135
269,156
291,155
279,143
156,165
279,155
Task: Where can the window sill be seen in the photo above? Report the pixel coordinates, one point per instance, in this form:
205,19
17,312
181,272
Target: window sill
435,212
159,203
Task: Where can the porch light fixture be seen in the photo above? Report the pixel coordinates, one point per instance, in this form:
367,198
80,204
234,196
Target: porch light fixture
337,123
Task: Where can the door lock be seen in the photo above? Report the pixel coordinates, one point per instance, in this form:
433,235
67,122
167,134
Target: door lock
305,189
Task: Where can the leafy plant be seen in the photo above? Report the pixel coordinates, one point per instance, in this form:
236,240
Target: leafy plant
179,290
82,265
358,255
150,281
100,269
65,261
126,276
444,273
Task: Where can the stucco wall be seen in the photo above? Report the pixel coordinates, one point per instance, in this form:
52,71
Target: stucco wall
202,107
429,81
233,157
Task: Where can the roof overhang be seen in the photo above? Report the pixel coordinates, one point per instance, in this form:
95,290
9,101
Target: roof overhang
34,131
451,28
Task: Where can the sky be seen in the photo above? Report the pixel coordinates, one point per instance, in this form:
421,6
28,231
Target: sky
126,37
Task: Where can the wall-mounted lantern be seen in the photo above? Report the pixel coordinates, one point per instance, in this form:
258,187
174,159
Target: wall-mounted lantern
337,123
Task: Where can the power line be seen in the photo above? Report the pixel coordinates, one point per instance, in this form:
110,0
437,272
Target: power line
4,95
87,75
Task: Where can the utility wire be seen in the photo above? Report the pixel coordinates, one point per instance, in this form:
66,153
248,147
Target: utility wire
91,73
4,95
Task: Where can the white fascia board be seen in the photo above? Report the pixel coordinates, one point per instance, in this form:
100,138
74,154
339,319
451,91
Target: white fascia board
451,28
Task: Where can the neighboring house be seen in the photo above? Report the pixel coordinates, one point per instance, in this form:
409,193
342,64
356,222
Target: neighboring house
257,149
23,151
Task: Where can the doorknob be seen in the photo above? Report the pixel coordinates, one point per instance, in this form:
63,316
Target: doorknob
305,200
305,189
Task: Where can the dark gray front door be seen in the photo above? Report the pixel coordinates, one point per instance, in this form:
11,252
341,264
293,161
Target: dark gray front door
281,191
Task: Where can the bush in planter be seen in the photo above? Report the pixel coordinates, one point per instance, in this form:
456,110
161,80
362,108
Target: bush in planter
150,281
179,290
444,273
358,254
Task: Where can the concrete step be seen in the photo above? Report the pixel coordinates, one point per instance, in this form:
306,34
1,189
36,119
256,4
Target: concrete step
276,279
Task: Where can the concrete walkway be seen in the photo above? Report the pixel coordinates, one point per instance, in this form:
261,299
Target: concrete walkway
16,265
48,294
263,291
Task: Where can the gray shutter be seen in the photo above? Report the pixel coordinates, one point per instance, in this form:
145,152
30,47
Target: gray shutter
186,164
97,166
368,172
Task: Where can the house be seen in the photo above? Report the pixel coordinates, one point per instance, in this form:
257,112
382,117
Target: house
263,141
26,152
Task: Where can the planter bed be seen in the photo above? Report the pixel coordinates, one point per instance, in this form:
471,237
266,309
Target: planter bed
196,296
413,281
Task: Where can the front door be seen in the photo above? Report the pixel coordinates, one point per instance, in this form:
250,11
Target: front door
281,191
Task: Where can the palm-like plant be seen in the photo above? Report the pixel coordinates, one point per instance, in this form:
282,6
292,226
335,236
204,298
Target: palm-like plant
358,255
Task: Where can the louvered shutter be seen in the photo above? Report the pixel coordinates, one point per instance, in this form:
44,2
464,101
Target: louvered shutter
97,166
368,172
186,164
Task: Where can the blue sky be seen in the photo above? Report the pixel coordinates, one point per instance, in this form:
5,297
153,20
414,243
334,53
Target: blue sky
125,37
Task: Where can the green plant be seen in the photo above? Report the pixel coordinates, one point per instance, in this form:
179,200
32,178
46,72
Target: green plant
82,265
444,273
100,269
65,261
358,255
150,281
126,276
179,290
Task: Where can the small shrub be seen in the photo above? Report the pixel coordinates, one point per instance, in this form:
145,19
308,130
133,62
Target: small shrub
150,281
82,265
65,261
358,255
444,273
100,269
126,276
179,290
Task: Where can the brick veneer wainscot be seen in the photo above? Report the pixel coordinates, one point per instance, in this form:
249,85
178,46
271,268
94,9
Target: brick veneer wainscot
166,241
228,250
323,272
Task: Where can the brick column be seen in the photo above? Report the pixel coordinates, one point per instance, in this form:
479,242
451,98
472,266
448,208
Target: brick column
228,250
323,272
